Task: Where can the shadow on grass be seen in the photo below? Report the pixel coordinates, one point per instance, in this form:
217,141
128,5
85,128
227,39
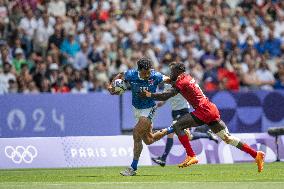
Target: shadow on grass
145,175
88,176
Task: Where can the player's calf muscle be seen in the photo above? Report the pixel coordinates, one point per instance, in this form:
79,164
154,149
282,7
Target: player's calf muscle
138,147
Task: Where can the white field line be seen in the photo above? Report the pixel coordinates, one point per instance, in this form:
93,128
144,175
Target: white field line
111,183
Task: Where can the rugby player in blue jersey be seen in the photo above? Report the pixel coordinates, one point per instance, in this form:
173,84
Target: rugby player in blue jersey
144,78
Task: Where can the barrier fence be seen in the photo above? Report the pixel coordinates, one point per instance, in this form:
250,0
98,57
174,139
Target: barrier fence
99,114
56,152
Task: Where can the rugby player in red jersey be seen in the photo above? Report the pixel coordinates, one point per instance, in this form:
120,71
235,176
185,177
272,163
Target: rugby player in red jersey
205,112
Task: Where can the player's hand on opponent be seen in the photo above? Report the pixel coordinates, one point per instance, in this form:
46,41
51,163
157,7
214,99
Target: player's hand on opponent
167,80
145,94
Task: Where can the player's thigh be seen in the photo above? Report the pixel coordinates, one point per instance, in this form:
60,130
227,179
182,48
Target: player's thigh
146,131
186,121
143,126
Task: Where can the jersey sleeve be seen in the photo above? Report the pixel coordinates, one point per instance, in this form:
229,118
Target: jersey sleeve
128,75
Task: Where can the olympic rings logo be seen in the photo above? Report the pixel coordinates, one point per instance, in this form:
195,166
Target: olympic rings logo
21,154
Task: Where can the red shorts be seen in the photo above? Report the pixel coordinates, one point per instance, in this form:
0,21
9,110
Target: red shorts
207,112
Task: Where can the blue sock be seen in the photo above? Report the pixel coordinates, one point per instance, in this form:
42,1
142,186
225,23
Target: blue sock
169,145
170,130
134,164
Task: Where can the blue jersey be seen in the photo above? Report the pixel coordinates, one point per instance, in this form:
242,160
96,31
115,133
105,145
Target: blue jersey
138,85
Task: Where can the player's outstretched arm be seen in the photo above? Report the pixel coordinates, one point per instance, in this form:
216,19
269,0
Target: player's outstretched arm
160,96
110,85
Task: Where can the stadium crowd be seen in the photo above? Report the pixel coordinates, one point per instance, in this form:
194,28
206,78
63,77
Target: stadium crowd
76,46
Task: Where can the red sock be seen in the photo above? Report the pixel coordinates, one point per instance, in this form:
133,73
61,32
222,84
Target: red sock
246,148
185,142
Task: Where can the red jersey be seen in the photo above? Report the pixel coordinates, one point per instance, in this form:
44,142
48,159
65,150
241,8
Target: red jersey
190,90
205,110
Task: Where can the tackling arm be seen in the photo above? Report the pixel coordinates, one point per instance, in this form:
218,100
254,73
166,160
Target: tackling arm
160,96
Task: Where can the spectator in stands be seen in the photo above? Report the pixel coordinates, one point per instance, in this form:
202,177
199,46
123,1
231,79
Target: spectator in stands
28,25
25,75
57,38
127,24
265,76
32,88
261,45
164,45
57,8
6,56
42,34
19,59
60,86
250,79
79,88
81,58
272,45
53,73
40,73
70,47
224,44
13,86
6,76
279,76
45,86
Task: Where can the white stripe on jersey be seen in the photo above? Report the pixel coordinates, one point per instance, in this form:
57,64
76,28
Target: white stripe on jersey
177,102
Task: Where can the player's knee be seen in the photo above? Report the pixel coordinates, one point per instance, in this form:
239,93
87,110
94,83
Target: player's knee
224,136
148,142
227,138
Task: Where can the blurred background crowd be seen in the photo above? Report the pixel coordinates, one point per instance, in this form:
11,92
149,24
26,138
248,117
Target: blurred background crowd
76,46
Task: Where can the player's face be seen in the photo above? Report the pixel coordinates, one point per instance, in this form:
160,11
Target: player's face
145,74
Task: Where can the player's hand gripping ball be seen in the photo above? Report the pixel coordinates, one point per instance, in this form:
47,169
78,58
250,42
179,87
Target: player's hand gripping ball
119,86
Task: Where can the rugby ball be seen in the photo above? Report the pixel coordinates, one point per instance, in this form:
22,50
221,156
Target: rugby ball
119,86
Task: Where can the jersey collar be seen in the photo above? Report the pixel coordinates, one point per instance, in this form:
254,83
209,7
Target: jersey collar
142,78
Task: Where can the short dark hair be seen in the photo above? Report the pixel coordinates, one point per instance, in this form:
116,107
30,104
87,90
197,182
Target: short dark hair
178,66
144,63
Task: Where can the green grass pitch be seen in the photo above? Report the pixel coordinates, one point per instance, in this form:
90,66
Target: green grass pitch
232,176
